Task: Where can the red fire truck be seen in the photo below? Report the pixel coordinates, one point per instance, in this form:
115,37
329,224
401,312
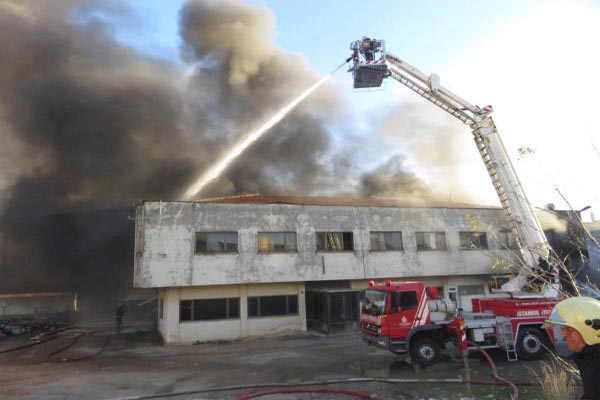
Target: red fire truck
409,318
406,317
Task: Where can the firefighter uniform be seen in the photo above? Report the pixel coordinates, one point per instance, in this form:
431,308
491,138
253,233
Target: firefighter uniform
582,314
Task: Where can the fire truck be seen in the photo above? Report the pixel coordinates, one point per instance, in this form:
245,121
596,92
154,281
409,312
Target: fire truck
409,318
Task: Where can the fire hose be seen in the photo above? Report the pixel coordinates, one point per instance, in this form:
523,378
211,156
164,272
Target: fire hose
297,388
498,378
355,393
54,335
286,388
54,358
51,336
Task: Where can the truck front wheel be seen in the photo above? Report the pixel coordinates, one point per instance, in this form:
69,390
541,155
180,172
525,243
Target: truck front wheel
529,343
424,351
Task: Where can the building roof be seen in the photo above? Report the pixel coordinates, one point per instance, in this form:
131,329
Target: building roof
256,198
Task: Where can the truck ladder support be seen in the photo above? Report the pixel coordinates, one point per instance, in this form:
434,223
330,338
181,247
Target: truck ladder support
517,208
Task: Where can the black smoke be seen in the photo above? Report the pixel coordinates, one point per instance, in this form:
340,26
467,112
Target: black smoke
89,125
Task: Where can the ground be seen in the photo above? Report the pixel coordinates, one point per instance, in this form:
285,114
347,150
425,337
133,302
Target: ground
135,365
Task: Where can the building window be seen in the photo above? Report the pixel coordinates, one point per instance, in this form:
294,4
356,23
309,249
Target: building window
216,242
209,309
473,240
386,241
335,241
470,290
270,306
508,240
431,240
277,242
496,282
440,290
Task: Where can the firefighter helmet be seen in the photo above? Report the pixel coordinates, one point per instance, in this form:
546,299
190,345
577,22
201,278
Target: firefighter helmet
579,313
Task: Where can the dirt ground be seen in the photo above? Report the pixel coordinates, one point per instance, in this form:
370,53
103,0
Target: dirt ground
135,365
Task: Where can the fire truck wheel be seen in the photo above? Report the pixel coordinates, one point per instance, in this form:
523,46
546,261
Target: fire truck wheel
529,344
424,351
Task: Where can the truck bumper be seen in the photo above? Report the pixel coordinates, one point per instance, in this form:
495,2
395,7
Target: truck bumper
381,342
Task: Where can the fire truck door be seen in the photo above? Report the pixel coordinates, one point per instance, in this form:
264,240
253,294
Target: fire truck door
402,315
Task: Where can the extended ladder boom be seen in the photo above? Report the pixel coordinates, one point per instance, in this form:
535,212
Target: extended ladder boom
524,223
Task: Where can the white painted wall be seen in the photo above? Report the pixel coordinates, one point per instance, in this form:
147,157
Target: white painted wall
165,243
174,331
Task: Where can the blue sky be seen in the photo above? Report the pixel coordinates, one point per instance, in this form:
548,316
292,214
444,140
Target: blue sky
433,32
533,60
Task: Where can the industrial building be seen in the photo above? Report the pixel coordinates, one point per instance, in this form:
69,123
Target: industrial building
255,265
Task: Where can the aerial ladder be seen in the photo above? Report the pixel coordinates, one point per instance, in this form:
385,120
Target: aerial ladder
371,64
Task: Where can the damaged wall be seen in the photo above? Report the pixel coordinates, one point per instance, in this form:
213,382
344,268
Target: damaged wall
165,248
16,304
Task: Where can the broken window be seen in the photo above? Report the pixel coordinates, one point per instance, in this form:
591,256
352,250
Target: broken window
473,240
277,242
269,306
431,240
216,242
496,282
335,241
209,309
508,240
386,241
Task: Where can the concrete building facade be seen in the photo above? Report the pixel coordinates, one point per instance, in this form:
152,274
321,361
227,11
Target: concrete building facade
237,267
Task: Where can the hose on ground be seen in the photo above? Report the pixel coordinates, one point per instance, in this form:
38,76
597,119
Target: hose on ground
310,383
503,381
285,388
54,358
354,393
52,335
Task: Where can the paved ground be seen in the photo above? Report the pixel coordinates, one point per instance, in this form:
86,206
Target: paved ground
134,365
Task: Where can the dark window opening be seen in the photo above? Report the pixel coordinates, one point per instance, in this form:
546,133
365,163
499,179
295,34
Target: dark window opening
335,241
216,242
273,242
386,241
185,310
431,241
508,240
473,240
269,306
209,309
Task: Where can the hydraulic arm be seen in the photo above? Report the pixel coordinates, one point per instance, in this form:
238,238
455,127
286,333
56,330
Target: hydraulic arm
524,223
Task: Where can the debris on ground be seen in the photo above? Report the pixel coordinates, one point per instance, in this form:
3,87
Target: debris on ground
29,324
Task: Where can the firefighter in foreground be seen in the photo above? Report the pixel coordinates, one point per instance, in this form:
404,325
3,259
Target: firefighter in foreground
579,320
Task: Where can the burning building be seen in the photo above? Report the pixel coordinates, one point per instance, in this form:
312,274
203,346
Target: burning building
254,265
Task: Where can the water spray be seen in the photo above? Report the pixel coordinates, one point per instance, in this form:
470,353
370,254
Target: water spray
222,163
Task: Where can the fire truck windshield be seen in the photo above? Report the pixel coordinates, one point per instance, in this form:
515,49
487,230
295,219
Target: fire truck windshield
374,302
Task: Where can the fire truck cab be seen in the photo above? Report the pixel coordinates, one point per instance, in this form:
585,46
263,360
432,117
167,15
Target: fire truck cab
407,317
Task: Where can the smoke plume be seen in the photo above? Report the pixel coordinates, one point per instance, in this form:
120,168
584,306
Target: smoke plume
392,179
437,145
89,125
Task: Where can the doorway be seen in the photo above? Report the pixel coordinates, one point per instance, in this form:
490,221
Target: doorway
330,310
